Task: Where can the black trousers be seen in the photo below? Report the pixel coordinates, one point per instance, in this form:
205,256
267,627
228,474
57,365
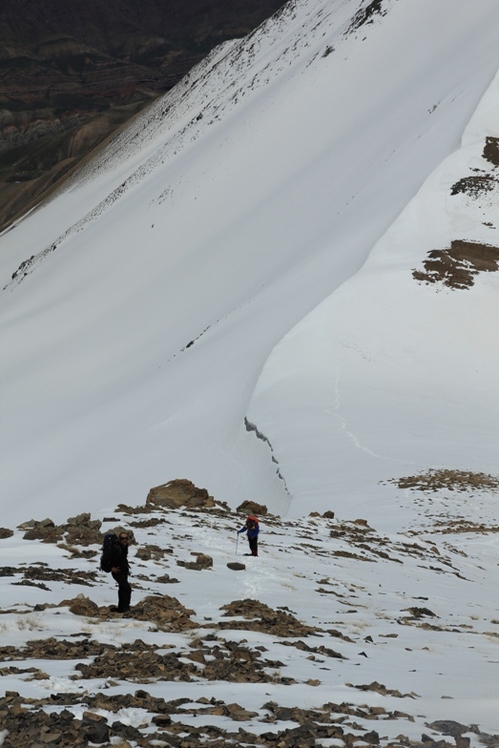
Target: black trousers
124,590
253,544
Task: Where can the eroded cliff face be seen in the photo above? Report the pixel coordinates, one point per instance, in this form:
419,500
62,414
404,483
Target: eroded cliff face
71,73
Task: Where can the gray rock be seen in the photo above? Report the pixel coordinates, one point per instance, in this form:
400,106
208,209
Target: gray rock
236,566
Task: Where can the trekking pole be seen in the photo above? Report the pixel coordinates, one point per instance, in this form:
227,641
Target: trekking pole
237,541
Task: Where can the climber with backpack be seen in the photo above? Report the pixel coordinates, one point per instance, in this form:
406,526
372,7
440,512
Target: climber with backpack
114,559
252,528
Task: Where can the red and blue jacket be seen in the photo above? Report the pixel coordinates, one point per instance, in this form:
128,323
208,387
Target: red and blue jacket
252,531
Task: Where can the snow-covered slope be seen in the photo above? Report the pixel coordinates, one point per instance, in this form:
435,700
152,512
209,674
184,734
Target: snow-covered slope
397,370
147,297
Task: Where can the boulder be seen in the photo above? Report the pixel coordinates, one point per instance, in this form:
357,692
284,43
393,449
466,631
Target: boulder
180,493
82,606
251,507
203,561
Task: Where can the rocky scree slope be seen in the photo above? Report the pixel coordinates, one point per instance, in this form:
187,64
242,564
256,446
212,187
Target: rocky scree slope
289,649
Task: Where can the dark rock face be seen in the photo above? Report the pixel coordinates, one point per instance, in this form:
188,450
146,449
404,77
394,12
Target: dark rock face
71,73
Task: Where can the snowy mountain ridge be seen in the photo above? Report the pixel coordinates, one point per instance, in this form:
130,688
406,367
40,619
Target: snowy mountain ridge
183,115
180,259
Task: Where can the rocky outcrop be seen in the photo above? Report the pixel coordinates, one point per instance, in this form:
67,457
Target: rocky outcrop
81,529
180,493
252,507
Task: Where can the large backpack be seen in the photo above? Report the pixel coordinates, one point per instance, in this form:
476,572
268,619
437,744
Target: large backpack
109,548
255,520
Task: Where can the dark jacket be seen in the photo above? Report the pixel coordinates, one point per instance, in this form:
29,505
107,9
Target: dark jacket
119,557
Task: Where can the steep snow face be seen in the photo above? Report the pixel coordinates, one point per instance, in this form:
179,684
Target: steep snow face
397,370
148,296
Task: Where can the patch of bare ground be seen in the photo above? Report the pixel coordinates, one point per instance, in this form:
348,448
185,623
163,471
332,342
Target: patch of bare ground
454,480
380,548
138,662
383,690
491,150
27,721
55,649
456,526
321,650
260,617
475,186
457,267
330,715
233,662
